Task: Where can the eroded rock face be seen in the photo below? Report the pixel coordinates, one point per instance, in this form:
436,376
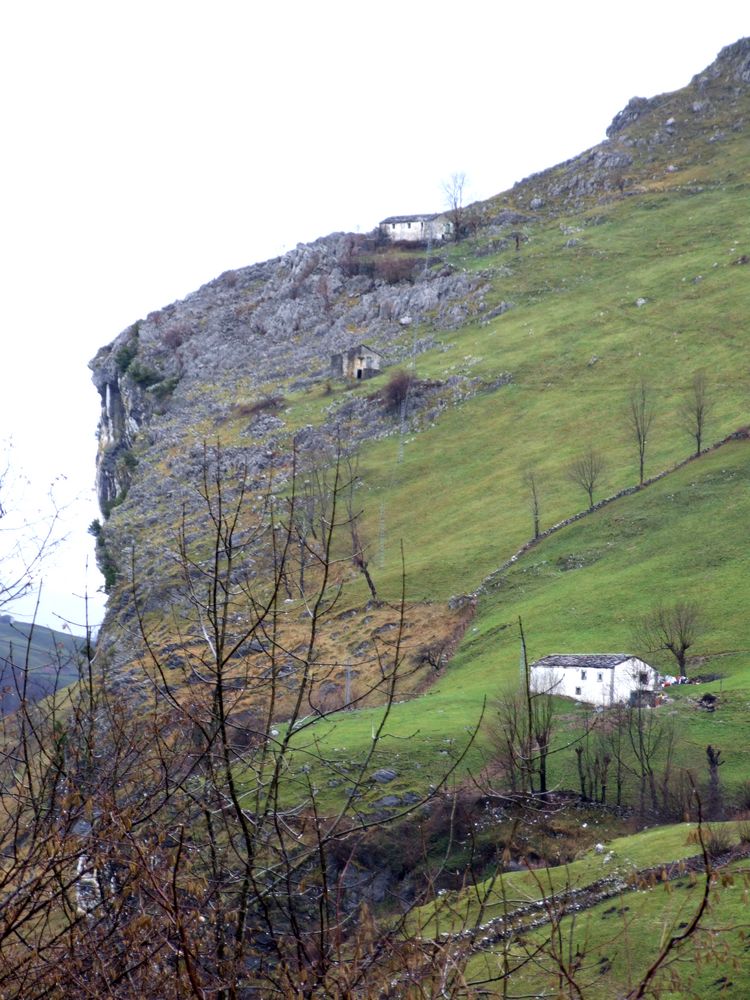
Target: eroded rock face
645,131
123,411
277,319
632,111
732,66
168,383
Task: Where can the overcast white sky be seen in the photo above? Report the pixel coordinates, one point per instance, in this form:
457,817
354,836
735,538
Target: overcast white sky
149,146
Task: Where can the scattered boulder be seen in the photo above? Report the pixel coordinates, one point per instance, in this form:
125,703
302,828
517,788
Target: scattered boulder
388,801
384,775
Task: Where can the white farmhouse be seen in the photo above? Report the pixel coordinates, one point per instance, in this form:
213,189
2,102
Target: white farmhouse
416,228
596,678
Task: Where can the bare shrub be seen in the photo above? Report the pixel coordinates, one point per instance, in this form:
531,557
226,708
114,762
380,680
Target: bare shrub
432,654
586,471
718,841
176,334
397,389
394,269
355,259
268,404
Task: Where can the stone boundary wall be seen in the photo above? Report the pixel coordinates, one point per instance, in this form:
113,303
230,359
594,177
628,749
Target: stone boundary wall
742,434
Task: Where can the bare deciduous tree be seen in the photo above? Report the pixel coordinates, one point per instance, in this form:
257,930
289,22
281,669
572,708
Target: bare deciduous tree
696,409
453,189
640,418
26,538
649,735
532,487
672,629
360,558
586,471
522,730
715,804
162,829
171,844
593,759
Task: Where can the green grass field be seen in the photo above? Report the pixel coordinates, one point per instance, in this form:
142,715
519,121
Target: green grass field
457,499
610,944
615,942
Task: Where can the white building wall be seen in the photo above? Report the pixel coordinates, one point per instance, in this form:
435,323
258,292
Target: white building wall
407,231
370,361
594,685
416,230
583,684
628,677
440,228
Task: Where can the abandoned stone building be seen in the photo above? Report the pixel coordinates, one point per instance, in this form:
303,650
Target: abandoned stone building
416,228
358,362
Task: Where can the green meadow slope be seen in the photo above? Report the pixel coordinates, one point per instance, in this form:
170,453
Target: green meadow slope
609,946
676,539
650,285
575,344
627,265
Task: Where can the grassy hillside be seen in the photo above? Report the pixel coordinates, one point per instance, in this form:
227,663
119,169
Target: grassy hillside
614,281
576,342
42,658
611,945
675,539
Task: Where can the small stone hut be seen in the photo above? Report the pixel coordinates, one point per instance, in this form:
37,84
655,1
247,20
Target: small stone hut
358,362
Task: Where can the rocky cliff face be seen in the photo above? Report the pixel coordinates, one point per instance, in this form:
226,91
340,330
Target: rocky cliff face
267,328
651,136
245,341
239,346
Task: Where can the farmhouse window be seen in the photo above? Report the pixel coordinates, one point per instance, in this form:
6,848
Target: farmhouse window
643,677
600,676
578,690
583,675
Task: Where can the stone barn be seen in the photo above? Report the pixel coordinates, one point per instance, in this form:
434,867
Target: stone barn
357,363
416,228
595,678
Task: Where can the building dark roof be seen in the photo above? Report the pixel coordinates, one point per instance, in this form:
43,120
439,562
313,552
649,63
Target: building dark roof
409,218
359,347
599,661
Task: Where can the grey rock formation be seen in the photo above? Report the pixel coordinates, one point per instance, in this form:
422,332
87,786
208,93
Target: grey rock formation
236,347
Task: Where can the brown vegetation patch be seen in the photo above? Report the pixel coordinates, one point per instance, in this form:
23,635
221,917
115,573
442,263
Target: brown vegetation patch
267,404
352,661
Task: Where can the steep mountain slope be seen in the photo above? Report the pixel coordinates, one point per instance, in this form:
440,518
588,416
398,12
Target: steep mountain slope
524,343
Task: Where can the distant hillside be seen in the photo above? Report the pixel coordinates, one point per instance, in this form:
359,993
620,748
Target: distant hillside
35,661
